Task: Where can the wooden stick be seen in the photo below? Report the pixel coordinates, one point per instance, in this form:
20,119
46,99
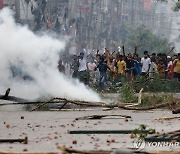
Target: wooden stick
167,118
171,50
124,54
107,131
25,140
14,99
63,106
7,93
101,116
26,103
40,105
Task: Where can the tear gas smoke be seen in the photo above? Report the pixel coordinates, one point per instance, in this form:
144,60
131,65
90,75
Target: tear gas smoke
34,58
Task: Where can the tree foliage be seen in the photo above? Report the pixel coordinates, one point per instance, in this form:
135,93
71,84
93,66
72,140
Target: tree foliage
177,6
144,39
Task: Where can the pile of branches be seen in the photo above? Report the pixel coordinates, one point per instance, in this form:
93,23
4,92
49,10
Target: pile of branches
64,102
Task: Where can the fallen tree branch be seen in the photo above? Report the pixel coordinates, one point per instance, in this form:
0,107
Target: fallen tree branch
167,118
12,98
28,103
94,104
76,102
91,104
40,105
126,106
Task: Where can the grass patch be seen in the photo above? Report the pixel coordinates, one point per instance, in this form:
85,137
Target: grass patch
157,85
154,99
128,93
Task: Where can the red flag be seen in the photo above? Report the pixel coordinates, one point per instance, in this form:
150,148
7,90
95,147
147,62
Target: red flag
1,4
147,5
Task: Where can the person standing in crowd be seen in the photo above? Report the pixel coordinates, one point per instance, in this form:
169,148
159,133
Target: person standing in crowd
103,67
129,66
161,69
75,66
91,67
121,65
82,70
153,69
137,69
129,63
111,62
153,57
176,66
146,64
61,66
169,67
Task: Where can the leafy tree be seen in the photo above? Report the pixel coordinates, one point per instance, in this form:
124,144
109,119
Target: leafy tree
177,6
144,39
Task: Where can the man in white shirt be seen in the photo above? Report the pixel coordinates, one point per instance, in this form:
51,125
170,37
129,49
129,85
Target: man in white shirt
146,63
82,63
82,70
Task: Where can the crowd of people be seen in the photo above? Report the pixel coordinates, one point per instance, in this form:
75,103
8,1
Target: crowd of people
116,66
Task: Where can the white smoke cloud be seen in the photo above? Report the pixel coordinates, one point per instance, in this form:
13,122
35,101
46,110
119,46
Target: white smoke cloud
36,56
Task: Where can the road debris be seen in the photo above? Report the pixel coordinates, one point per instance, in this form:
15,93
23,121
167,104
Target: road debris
113,151
166,137
94,117
70,150
28,152
25,140
64,102
108,131
176,111
167,118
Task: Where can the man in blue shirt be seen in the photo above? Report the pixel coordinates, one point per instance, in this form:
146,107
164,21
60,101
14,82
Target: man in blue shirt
137,69
102,66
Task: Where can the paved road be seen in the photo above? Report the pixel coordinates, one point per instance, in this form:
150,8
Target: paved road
46,130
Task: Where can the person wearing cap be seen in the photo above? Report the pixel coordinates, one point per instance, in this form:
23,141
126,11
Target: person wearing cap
169,67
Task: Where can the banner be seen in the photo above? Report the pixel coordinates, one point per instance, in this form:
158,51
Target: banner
1,4
147,5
